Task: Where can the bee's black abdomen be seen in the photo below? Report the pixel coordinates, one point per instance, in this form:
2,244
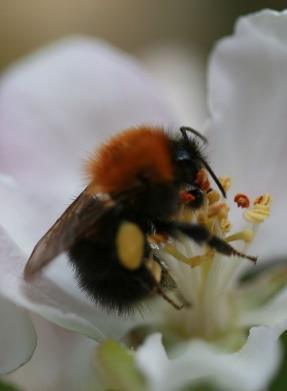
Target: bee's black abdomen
103,278
95,260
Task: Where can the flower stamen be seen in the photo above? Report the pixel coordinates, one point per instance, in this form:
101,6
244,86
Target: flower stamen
225,225
246,235
186,197
213,196
191,261
242,200
226,182
202,180
260,210
216,209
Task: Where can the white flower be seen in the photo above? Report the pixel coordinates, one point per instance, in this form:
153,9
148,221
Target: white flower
247,98
83,87
17,337
62,360
55,107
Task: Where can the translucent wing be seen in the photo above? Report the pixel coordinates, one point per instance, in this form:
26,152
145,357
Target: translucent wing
77,219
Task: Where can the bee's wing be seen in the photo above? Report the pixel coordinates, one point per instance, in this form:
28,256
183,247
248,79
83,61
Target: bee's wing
81,215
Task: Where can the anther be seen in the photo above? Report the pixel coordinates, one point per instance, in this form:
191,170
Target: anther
202,218
260,210
186,197
223,212
158,238
226,182
264,199
202,180
242,200
213,196
217,209
258,214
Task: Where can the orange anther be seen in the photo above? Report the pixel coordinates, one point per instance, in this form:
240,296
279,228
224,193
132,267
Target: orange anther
242,200
258,200
202,180
158,238
264,199
186,197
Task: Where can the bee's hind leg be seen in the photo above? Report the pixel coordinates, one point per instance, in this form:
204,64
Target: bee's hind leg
175,305
163,281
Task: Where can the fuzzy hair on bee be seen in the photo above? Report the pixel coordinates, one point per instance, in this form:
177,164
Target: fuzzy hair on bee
137,181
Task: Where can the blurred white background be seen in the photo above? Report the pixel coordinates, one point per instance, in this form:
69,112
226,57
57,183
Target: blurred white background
173,38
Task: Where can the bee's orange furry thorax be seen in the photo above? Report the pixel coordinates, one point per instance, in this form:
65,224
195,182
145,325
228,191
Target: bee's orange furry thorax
133,154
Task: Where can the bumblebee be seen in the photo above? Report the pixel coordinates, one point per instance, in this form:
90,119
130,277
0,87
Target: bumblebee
136,182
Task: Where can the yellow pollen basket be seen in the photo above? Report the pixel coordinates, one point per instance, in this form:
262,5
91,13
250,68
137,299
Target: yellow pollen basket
130,245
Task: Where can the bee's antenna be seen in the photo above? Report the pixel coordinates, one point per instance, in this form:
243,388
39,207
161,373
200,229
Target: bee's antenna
185,129
214,177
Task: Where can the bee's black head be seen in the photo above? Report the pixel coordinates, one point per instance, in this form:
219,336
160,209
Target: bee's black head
189,159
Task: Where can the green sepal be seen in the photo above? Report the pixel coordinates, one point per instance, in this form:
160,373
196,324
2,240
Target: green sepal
117,368
7,386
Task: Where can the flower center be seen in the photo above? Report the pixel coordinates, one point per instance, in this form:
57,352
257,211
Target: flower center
206,278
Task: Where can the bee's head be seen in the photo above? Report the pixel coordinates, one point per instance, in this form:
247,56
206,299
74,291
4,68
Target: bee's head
190,163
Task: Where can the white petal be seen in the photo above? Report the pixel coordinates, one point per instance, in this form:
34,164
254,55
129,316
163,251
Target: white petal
62,361
248,94
58,104
59,299
24,215
271,314
55,107
250,369
55,295
17,336
180,70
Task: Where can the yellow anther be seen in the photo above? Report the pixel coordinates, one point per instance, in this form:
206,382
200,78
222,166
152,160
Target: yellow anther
247,236
264,199
217,210
202,218
260,210
213,196
226,182
223,212
185,215
210,225
258,214
225,225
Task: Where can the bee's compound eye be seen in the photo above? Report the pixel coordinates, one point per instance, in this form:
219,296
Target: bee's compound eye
130,245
